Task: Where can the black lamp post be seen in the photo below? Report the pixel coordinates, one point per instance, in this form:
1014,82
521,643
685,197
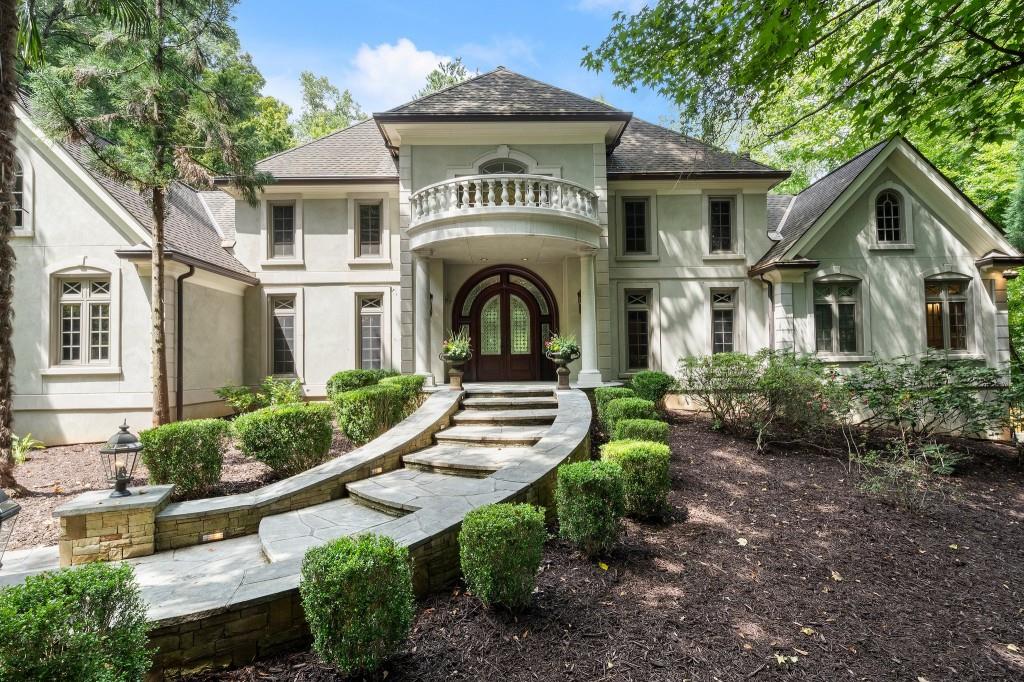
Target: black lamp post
8,511
119,457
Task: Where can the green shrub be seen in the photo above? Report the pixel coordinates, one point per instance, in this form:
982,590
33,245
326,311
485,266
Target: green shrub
281,391
288,439
652,386
272,391
84,624
645,478
411,385
606,394
357,596
590,501
641,429
627,408
351,379
188,454
365,413
500,547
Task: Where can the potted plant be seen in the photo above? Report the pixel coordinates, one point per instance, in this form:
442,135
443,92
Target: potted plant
456,352
562,350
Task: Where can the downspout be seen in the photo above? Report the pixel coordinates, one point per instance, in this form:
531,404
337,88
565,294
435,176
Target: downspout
179,344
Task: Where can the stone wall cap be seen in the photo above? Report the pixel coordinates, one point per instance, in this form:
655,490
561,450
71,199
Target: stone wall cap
100,501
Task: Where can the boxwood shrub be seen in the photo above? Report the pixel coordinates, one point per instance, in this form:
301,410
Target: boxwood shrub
645,477
652,385
188,453
411,385
641,429
358,600
86,623
627,408
606,394
289,438
500,547
590,501
365,413
351,379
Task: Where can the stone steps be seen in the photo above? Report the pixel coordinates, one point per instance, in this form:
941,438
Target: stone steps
289,535
511,417
508,391
491,435
459,460
410,490
510,403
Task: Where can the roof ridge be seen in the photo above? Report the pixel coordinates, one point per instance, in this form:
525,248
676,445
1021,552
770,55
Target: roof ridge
846,163
445,89
570,92
318,139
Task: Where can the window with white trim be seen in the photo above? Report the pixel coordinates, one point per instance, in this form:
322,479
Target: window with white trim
282,229
369,216
282,335
18,191
889,217
498,166
371,332
723,320
946,302
638,329
836,316
636,239
83,313
721,224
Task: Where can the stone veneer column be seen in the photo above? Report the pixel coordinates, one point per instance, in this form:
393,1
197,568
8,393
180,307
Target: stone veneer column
97,527
589,374
421,311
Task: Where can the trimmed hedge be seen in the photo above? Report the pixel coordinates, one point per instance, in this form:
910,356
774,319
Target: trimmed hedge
411,385
651,385
358,600
289,438
590,501
351,379
627,408
606,394
86,623
500,547
365,413
645,477
641,429
188,454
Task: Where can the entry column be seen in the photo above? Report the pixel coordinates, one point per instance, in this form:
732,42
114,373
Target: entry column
421,316
589,374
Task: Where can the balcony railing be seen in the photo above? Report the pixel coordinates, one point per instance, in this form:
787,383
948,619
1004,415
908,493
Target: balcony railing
503,193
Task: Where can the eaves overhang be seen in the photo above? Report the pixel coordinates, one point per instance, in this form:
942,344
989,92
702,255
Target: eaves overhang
178,257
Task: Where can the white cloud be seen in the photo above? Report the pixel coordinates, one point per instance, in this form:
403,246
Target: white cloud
387,75
611,6
501,51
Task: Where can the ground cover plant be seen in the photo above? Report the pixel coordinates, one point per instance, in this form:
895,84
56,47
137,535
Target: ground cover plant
500,548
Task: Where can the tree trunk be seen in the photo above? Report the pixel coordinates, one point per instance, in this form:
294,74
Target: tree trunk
8,91
161,409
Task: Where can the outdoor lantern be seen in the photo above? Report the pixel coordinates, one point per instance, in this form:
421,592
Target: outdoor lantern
119,457
8,512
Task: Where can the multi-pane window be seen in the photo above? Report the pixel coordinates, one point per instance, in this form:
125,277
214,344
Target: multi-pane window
635,230
282,230
638,329
83,308
835,317
723,319
18,192
369,229
889,217
946,314
720,224
282,334
371,324
498,166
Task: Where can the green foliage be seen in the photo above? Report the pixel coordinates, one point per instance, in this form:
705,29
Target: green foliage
456,347
325,108
446,74
627,408
281,391
562,345
22,445
910,478
272,391
365,413
357,597
652,385
411,385
241,399
590,498
1013,214
641,429
606,394
349,379
188,453
85,624
287,438
269,127
645,478
500,548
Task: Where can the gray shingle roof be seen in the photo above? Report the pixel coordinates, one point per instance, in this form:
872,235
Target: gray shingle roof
811,204
648,149
503,93
222,208
777,205
357,152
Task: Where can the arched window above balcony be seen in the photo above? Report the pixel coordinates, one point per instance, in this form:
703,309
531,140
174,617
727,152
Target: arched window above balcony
496,166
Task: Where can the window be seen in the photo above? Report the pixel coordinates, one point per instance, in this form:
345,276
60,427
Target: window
282,230
369,229
723,318
835,316
946,313
371,318
83,309
20,210
635,226
720,224
502,166
282,329
638,329
889,217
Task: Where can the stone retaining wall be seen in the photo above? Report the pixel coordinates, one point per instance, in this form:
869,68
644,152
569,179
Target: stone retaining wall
98,527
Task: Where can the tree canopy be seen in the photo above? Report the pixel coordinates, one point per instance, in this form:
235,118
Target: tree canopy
445,75
325,108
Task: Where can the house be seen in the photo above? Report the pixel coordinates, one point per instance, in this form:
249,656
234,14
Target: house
503,206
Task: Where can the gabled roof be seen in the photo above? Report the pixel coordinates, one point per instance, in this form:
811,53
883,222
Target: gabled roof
356,154
222,208
502,94
648,150
778,204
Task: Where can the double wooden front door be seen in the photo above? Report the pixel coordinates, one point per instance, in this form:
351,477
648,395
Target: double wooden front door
505,331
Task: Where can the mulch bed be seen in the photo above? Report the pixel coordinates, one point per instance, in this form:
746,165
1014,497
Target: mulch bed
782,570
57,474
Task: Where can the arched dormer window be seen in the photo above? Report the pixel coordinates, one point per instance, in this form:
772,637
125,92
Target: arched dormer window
496,166
889,220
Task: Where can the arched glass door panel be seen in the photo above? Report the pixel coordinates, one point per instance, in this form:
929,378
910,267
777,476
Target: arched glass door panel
519,326
490,327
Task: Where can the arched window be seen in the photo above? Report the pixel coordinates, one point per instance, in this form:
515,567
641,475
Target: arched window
889,216
502,166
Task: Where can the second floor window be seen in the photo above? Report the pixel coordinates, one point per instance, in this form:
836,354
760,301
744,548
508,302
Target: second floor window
282,335
369,229
720,224
282,230
889,217
635,230
946,314
83,307
835,317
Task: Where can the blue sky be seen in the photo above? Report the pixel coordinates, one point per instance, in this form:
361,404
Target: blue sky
383,49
